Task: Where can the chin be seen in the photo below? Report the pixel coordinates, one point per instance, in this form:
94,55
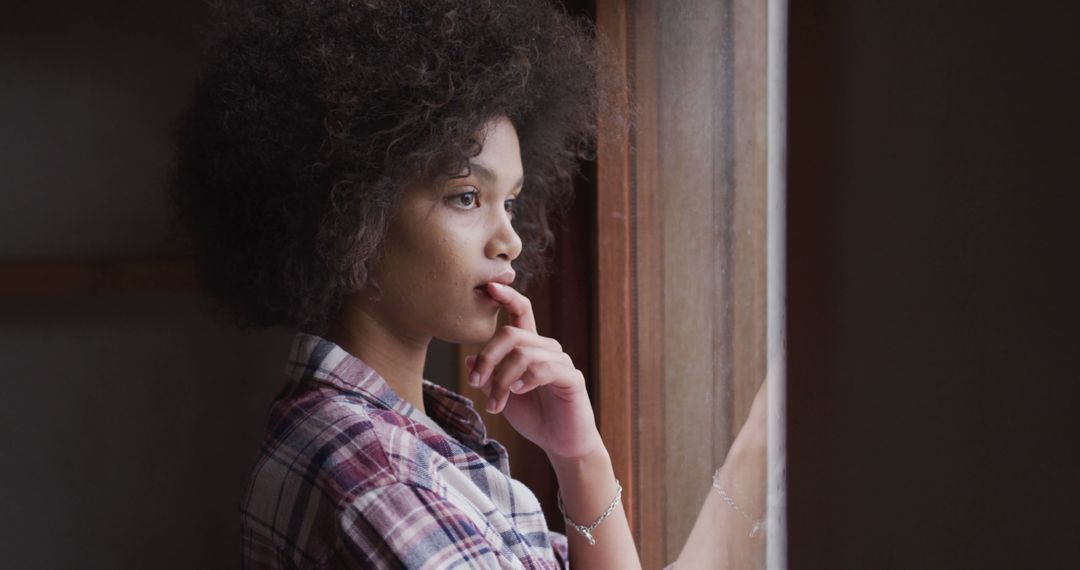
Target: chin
477,334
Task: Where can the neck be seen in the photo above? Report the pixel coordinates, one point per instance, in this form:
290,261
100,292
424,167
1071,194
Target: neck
395,355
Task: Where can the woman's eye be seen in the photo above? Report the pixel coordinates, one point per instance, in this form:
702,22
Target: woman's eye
467,199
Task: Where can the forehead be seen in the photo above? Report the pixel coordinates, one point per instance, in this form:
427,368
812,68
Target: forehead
500,145
498,165
499,161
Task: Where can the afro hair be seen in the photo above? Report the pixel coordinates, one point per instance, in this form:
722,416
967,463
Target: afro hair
310,116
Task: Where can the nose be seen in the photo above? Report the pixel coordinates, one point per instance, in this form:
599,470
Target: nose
504,241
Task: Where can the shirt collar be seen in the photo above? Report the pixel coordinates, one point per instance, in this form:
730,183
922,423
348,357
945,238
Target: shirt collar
316,359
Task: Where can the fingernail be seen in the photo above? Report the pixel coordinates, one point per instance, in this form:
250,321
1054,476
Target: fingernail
491,406
517,386
474,379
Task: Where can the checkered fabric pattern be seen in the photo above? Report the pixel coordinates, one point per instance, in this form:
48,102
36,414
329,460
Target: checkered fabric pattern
352,476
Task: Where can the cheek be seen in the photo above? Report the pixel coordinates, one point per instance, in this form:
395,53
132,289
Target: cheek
441,269
451,269
438,261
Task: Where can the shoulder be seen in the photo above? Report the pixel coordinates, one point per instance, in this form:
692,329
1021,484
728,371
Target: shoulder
346,482
324,454
339,443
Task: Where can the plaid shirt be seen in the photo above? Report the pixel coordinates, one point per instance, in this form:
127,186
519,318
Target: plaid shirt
351,475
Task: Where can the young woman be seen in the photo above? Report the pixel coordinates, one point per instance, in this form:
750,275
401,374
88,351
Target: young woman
376,174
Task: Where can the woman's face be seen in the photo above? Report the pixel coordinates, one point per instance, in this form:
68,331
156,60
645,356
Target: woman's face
445,241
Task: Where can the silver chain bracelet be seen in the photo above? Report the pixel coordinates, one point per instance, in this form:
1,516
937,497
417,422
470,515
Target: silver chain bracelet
586,531
755,525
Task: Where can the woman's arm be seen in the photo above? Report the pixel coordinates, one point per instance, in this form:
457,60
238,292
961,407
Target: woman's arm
534,383
550,407
588,486
727,536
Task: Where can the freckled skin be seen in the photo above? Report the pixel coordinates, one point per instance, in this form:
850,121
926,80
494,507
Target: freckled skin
439,248
440,245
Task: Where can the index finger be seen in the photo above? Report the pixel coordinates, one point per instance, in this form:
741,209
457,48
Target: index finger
518,307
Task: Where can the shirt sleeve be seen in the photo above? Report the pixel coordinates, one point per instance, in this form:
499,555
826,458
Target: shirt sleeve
401,525
561,546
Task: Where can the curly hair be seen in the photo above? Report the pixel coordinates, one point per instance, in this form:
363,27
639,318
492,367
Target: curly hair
309,118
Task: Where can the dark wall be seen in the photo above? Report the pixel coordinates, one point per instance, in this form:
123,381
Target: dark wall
89,91
931,249
129,422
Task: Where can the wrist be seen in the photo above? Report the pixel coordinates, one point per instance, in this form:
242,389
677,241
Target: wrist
752,511
588,462
743,476
589,493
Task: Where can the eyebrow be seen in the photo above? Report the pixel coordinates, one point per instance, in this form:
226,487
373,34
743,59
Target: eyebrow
488,176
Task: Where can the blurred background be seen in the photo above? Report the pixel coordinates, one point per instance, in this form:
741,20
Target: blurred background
130,416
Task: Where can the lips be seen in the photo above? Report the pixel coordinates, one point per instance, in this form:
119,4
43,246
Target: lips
506,278
482,295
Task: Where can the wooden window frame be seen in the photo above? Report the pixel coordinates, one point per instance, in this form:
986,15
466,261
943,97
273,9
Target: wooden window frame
630,229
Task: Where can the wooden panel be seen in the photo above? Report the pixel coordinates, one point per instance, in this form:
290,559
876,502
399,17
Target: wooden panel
697,220
712,151
696,189
748,147
614,287
649,294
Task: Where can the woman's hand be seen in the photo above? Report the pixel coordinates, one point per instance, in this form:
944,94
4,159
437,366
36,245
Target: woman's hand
534,383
